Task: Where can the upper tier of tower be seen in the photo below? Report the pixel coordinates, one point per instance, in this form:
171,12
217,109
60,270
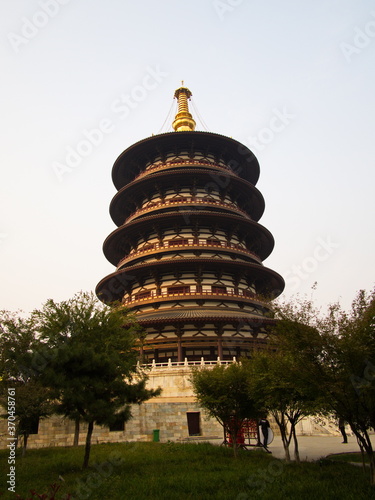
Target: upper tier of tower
171,150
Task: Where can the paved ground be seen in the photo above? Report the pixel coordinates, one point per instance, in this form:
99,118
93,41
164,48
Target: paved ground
313,447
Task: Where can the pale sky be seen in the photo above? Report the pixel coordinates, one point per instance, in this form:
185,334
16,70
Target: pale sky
82,80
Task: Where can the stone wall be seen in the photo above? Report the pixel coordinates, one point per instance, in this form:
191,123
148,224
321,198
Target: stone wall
167,413
168,417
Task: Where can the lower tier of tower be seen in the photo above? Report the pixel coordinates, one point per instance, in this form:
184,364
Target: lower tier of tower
180,340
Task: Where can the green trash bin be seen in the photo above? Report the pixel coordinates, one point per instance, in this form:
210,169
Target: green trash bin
155,435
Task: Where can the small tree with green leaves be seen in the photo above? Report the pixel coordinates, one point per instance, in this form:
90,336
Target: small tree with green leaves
349,368
19,348
93,372
335,355
276,389
225,393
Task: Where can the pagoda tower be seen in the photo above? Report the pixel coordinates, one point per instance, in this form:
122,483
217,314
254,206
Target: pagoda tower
188,247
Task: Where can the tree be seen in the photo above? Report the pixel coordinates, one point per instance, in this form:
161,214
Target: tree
19,350
224,392
335,354
280,393
92,372
349,354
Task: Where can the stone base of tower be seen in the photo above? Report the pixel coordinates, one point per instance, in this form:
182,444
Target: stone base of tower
175,415
169,418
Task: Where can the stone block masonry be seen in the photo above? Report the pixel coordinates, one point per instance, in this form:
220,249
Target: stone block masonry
170,418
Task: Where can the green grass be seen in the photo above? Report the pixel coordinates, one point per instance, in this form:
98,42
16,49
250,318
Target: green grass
349,457
181,471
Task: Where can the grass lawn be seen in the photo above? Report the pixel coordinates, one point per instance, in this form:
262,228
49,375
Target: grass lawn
157,471
349,457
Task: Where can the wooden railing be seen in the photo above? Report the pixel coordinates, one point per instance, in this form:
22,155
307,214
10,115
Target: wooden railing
182,163
186,363
203,294
152,247
187,201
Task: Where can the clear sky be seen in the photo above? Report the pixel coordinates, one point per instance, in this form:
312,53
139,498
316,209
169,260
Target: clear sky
84,79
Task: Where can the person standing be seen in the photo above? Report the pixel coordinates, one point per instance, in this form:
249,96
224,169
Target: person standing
264,426
342,430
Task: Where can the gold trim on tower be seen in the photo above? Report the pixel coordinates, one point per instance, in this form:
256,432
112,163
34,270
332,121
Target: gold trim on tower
183,121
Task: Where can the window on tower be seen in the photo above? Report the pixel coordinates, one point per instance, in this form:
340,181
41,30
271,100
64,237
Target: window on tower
142,295
178,289
214,242
179,198
178,241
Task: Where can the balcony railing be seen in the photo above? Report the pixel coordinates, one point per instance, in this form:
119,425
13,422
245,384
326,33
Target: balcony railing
186,363
155,247
186,201
181,163
165,295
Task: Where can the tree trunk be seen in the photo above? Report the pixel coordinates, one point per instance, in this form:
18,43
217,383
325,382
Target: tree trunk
372,470
365,444
76,432
225,442
283,431
25,437
285,441
362,455
88,444
296,451
286,449
234,441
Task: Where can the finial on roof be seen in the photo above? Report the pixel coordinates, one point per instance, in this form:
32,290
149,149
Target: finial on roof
183,121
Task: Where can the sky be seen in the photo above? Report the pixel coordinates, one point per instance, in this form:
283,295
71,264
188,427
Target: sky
82,80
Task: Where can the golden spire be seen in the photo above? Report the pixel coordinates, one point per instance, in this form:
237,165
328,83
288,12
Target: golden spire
183,120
